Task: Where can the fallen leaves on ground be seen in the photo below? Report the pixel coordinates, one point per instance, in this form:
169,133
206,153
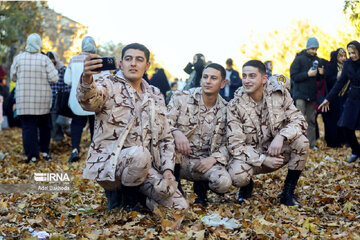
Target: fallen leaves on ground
329,190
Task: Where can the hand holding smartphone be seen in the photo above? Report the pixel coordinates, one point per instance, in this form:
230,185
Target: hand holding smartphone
108,63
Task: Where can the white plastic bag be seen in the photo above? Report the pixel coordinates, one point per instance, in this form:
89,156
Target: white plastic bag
215,221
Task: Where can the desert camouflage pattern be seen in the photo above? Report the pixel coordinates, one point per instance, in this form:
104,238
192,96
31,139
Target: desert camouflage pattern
165,194
251,127
116,103
206,131
118,107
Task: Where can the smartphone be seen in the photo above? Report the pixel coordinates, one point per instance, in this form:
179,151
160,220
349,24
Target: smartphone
109,63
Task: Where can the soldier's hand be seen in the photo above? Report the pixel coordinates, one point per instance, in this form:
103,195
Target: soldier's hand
276,146
273,162
181,143
324,106
312,72
204,164
168,175
89,65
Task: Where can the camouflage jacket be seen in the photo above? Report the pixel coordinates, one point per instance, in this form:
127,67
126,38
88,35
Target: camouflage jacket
113,100
243,130
183,115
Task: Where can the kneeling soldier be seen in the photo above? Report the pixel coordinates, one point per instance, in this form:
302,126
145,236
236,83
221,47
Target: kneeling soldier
265,132
198,123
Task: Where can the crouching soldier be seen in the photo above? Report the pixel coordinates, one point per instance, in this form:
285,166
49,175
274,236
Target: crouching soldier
198,123
265,132
132,149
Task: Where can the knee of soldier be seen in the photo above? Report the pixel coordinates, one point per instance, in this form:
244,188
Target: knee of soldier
224,183
240,179
181,203
301,144
138,164
140,158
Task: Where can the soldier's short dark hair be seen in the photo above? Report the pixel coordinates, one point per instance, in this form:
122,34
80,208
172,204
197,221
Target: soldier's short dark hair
256,64
137,46
218,67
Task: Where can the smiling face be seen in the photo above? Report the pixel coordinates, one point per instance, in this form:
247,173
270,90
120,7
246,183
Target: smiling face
341,57
211,81
353,53
134,64
253,81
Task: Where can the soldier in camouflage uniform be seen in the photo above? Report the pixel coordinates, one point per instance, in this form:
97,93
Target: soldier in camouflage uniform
265,132
198,123
132,150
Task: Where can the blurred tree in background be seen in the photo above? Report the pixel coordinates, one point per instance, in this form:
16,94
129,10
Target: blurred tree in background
17,20
352,10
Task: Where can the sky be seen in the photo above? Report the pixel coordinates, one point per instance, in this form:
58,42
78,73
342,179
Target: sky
175,30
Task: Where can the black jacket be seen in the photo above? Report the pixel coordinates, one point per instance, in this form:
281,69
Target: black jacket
304,87
351,70
235,83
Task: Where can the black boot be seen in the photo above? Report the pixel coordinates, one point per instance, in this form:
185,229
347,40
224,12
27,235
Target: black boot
130,198
177,177
200,189
245,192
114,199
287,197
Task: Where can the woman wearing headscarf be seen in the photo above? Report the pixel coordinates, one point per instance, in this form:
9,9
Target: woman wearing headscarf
32,72
60,123
80,117
334,135
350,118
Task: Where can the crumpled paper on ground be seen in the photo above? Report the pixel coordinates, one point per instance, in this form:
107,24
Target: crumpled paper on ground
215,221
38,234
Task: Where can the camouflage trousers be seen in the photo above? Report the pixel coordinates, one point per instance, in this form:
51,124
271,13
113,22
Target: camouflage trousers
157,193
134,169
217,176
295,153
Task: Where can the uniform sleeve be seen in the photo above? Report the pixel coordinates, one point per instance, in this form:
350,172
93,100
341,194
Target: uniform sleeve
51,71
166,141
173,111
297,124
221,153
237,146
93,96
295,71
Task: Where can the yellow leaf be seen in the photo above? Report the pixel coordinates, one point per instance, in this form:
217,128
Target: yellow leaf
166,223
77,218
61,222
348,206
306,225
245,223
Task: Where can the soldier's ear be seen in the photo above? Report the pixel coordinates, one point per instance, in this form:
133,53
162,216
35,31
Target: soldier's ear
223,82
264,78
147,66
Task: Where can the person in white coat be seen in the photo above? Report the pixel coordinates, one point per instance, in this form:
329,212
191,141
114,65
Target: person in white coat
80,116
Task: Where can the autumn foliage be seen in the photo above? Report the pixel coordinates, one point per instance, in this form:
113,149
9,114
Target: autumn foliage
329,191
